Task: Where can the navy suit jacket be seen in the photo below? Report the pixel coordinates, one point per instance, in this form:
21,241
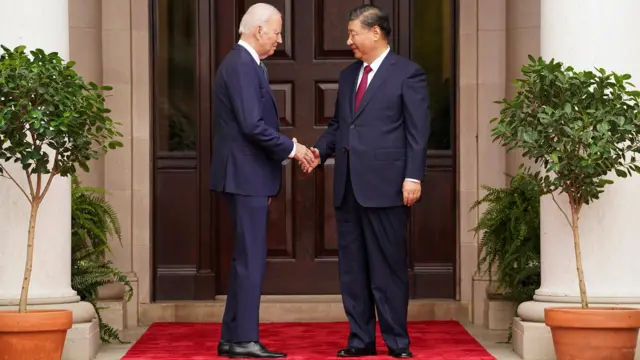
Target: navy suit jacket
248,148
386,137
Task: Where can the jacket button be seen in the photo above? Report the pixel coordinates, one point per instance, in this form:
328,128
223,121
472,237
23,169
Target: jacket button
352,127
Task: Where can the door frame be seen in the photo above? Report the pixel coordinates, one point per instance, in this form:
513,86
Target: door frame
205,278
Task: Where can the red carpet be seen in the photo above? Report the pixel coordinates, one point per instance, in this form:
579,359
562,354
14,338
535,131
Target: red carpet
434,340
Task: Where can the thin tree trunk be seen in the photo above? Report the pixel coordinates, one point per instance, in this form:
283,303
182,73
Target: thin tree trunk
26,280
578,253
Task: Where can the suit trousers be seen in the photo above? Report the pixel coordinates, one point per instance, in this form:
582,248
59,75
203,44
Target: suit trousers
372,257
248,262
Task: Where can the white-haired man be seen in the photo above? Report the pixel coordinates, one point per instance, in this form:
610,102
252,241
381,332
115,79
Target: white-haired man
248,151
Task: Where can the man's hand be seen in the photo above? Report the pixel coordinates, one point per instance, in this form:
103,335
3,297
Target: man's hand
316,161
304,156
410,192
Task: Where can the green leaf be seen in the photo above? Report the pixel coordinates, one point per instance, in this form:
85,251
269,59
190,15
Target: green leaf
621,173
115,144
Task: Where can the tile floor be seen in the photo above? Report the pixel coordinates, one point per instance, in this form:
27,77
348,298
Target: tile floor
493,341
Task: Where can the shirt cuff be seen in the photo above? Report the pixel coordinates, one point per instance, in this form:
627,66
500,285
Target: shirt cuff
412,180
293,152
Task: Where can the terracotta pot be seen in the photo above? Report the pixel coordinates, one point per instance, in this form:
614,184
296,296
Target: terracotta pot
35,335
596,333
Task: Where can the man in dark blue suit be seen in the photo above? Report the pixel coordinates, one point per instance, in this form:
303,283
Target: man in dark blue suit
248,152
379,138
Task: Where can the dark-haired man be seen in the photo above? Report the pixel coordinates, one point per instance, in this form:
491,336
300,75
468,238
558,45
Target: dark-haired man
379,138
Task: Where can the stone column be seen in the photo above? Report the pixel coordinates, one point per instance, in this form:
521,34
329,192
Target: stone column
41,24
586,34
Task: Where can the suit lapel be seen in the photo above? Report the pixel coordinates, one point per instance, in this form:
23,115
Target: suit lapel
259,71
378,78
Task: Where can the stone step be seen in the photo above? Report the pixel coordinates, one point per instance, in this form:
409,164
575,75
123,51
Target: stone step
498,314
114,313
277,308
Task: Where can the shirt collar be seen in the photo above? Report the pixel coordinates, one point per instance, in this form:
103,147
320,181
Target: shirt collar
251,50
376,64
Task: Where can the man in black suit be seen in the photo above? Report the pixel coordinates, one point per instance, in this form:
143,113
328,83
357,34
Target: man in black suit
246,168
379,138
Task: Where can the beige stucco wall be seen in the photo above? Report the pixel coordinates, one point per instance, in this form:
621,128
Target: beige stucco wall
110,42
495,38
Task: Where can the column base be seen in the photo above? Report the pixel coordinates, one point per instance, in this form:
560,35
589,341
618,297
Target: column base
532,338
83,339
498,314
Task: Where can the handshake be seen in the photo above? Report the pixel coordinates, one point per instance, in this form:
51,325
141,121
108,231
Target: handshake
308,158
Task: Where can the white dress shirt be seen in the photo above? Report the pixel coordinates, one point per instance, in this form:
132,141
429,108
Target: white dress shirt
255,56
375,65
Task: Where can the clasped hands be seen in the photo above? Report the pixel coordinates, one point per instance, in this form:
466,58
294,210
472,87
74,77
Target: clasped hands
309,158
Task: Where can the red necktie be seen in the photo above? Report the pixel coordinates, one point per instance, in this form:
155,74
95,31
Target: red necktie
362,87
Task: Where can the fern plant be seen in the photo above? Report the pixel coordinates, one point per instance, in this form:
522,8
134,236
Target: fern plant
510,240
93,221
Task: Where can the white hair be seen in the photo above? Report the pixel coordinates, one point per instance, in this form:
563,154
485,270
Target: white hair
257,15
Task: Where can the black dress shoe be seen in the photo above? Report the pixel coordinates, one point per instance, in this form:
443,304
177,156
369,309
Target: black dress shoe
400,353
252,350
356,352
223,348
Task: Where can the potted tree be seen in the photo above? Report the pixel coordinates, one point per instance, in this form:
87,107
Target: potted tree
50,122
581,128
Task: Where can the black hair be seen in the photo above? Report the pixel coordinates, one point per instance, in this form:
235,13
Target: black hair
371,16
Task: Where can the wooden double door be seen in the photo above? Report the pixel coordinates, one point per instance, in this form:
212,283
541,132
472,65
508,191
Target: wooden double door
193,234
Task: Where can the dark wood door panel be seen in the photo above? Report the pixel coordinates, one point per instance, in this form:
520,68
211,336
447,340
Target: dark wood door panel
432,233
183,261
176,256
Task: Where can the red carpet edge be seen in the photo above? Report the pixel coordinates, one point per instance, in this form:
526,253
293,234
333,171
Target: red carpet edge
434,340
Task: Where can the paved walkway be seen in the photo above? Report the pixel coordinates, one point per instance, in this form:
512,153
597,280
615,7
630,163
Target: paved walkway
493,341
